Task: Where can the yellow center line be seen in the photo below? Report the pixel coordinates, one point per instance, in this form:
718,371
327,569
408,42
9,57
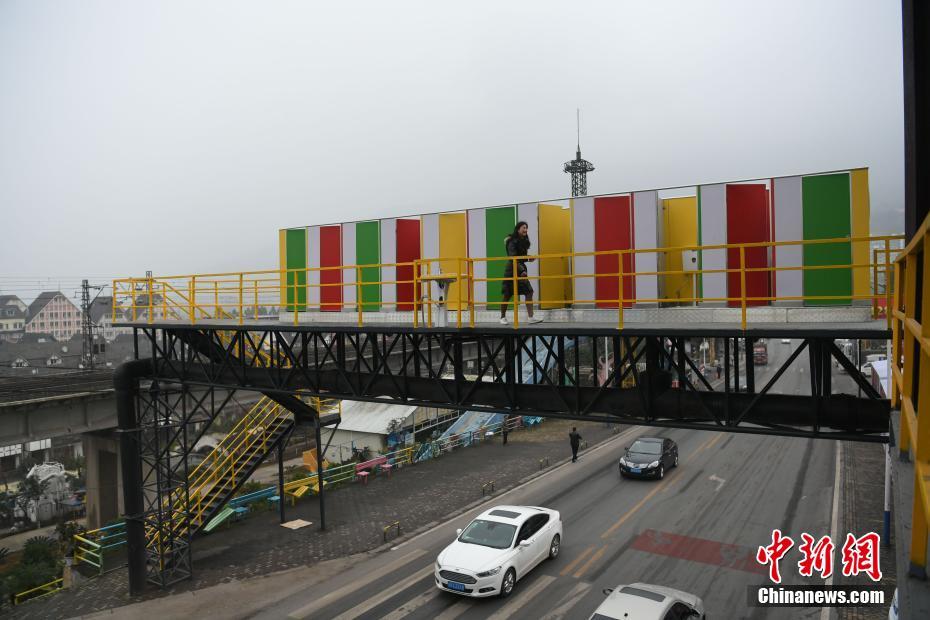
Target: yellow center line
594,558
576,561
633,510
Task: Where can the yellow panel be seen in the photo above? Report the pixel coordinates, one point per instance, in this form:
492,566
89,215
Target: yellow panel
282,261
679,220
453,244
860,228
555,237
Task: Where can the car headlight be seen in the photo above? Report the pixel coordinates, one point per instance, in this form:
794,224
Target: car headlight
654,464
488,573
623,461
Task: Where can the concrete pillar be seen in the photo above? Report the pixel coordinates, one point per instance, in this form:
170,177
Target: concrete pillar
104,479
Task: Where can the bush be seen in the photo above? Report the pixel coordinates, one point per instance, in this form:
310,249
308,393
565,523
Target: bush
251,487
40,550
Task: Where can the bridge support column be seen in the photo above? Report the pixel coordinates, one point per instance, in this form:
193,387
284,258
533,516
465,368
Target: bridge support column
103,473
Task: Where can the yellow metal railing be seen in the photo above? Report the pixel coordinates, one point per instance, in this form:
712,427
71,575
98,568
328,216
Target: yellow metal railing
910,368
44,590
236,297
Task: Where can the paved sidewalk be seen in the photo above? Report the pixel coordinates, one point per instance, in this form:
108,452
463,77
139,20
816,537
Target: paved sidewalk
417,496
15,542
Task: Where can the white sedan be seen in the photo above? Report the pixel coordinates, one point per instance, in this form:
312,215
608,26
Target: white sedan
648,602
499,547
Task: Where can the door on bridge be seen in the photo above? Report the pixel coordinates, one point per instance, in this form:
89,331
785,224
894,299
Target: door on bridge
748,222
679,225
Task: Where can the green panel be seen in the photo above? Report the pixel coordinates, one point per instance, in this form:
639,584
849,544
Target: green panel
499,223
296,253
826,203
368,252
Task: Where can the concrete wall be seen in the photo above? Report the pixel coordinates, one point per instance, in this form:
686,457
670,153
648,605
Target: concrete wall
103,474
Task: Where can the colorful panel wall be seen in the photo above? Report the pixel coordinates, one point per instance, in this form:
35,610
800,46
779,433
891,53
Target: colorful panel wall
786,196
453,244
646,235
498,223
330,274
429,249
826,207
296,258
712,215
388,242
477,240
368,252
613,230
313,267
859,186
555,237
583,241
408,251
529,212
680,228
748,222
349,273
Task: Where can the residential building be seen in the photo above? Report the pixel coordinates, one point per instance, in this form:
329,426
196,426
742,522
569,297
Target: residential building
101,315
53,313
12,318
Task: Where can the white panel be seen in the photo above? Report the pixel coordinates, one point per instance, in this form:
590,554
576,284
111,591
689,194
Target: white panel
429,236
529,213
477,242
388,255
583,231
349,276
313,262
645,235
714,231
788,227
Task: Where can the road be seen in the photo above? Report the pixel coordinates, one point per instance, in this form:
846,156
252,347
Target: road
697,530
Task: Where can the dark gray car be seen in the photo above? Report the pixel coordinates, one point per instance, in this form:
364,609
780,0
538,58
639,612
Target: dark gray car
649,457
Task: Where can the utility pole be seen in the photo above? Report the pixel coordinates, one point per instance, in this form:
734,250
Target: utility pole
87,328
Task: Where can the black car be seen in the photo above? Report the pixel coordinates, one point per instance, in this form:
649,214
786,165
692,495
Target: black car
649,457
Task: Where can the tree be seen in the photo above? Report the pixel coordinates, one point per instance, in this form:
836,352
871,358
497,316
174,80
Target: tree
7,506
30,490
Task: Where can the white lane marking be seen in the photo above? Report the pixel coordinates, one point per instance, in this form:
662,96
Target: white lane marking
497,500
393,590
568,601
413,604
335,595
451,613
514,604
720,482
827,612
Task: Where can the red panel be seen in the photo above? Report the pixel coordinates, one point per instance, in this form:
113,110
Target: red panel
613,230
331,256
408,250
748,222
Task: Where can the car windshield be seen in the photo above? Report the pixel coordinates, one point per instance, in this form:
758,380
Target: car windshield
489,534
647,447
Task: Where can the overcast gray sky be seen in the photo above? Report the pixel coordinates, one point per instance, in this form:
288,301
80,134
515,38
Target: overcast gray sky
180,136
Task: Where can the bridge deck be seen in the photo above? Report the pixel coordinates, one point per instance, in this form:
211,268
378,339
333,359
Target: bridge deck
818,329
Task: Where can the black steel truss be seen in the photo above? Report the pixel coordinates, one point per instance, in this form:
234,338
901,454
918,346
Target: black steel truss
540,374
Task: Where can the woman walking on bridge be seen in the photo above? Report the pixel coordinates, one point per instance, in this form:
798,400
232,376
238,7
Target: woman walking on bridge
518,244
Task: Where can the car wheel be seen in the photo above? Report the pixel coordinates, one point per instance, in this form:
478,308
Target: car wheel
508,583
661,473
554,547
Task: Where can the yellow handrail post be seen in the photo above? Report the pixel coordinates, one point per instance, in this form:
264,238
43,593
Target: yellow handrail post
216,299
241,279
132,294
255,309
458,286
429,296
620,301
875,283
149,292
471,292
416,294
888,283
164,301
516,296
358,293
295,296
192,284
742,284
